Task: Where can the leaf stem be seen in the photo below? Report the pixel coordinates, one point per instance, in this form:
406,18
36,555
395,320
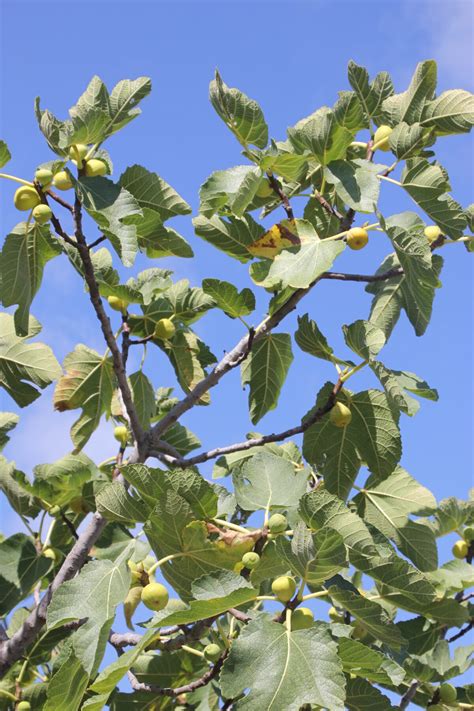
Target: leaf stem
389,180
191,650
160,562
232,526
339,235
350,373
312,596
17,180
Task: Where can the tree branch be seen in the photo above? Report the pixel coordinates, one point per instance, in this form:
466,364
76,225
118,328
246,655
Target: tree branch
276,187
461,632
408,696
398,271
187,688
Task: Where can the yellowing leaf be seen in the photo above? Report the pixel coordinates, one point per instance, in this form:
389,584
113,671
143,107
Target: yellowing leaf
279,237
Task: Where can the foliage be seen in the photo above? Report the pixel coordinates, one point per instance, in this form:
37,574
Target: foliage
355,530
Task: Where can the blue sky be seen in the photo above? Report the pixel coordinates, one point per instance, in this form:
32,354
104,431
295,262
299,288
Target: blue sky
292,57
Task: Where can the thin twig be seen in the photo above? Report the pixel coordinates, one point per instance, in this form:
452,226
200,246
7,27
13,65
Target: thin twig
461,632
276,187
187,688
100,239
408,696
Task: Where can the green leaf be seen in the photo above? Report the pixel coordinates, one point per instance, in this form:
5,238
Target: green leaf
112,207
395,387
355,182
115,503
372,436
91,115
24,365
233,236
242,115
194,489
300,266
54,130
267,481
326,556
228,298
371,96
404,584
185,356
94,595
451,515
310,339
63,480
157,240
265,371
325,223
19,497
320,509
181,438
109,677
283,678
8,421
407,141
67,684
349,112
143,397
453,576
321,135
21,567
88,384
362,696
270,565
451,112
289,165
409,106
428,186
364,338
232,189
368,663
5,154
123,101
152,192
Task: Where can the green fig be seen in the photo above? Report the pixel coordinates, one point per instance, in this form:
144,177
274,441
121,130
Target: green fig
43,176
212,652
357,238
432,232
460,549
42,214
447,693
340,415
26,198
250,559
62,180
301,619
121,434
164,329
277,523
381,138
117,304
284,588
468,534
155,596
95,167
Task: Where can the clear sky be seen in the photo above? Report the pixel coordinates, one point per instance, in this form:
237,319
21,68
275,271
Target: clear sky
292,57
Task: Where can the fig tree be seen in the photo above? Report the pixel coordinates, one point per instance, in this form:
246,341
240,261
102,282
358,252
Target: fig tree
117,304
26,198
78,150
250,559
340,415
381,138
95,167
432,232
468,534
121,434
460,549
62,181
164,329
284,588
447,693
357,238
212,652
43,176
155,596
24,706
301,619
264,190
277,523
42,214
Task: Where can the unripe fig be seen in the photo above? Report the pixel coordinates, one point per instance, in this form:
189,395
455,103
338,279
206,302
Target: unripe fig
212,652
381,138
447,693
131,603
264,190
358,632
340,415
43,176
277,523
155,596
24,706
50,553
250,559
301,619
284,588
95,167
26,198
117,304
62,181
164,329
334,615
460,549
78,150
357,238
432,232
468,534
42,214
121,434
148,562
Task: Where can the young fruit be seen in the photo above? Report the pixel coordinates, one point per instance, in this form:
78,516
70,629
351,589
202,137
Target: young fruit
78,150
468,534
277,523
164,329
131,603
42,214
62,181
460,549
212,652
117,304
301,619
357,238
26,198
43,176
334,615
95,167
264,190
432,232
381,138
121,434
155,596
358,632
447,693
250,559
24,706
284,588
340,415
50,553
